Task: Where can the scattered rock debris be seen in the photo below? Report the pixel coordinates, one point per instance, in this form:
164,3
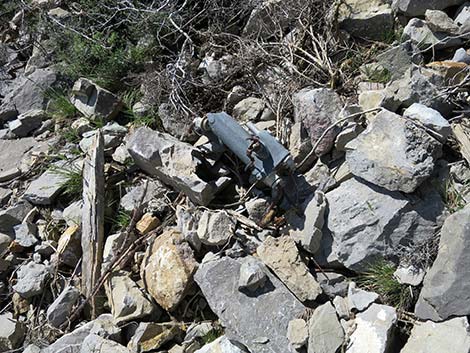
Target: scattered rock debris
277,177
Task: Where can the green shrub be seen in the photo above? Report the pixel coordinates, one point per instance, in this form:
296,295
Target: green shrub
73,184
212,335
122,220
107,65
379,278
71,135
377,74
60,106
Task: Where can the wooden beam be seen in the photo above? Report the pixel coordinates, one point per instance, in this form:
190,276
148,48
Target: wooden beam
93,218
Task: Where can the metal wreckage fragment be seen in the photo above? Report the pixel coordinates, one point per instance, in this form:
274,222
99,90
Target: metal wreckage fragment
266,159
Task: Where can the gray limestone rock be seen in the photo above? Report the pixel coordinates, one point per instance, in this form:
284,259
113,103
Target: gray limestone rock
41,56
445,337
128,302
419,7
114,244
252,276
333,284
308,232
94,344
374,330
172,161
141,109
31,348
72,214
358,299
249,109
215,228
398,59
187,220
121,155
197,330
409,275
111,141
446,286
416,86
6,134
283,257
223,345
393,153
175,123
60,310
365,18
25,234
45,189
11,156
27,122
31,279
11,333
367,222
430,118
150,336
342,307
325,332
300,145
93,101
317,109
257,208
418,32
28,92
81,126
153,189
461,56
102,326
263,328
14,215
462,17
347,134
439,21
297,333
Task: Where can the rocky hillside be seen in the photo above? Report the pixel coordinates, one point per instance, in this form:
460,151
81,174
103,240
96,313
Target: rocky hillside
235,176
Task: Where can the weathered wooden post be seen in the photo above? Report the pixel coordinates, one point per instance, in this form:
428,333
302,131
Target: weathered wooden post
93,218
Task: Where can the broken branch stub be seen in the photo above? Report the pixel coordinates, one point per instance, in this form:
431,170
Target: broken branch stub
93,217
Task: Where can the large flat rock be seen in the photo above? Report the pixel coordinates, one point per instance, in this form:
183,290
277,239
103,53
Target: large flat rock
283,258
366,223
172,161
12,151
444,337
446,288
419,7
259,319
316,110
374,330
394,153
371,19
